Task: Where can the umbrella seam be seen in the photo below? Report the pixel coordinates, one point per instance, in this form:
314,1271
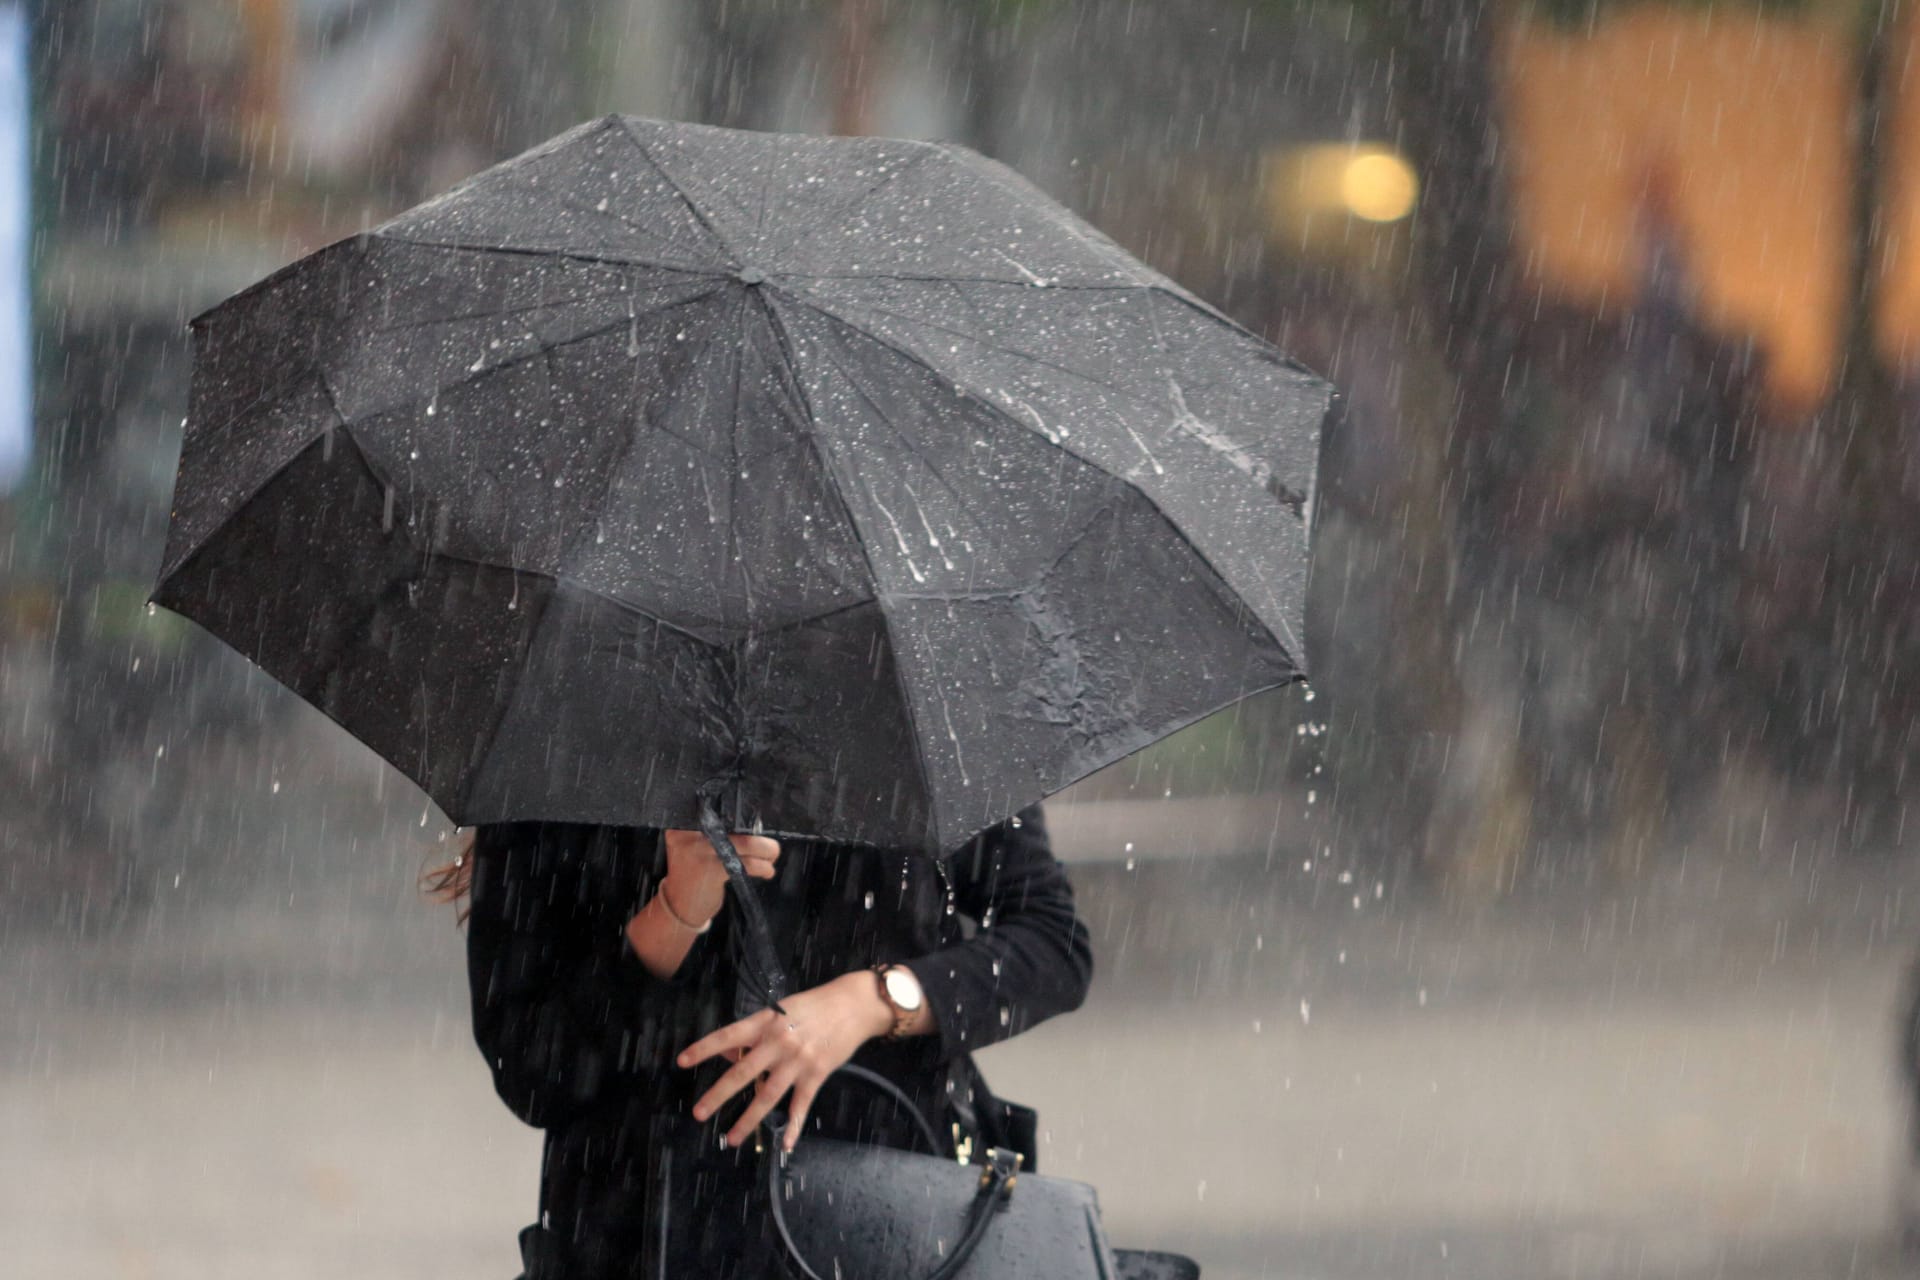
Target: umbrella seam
991,346
544,352
625,453
647,155
501,313
622,219
573,255
533,634
1291,643
315,374
902,436
880,597
280,275
1173,524
924,156
736,653
1057,213
1260,343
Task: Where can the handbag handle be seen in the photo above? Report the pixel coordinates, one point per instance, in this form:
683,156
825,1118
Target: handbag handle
761,962
996,1184
922,1127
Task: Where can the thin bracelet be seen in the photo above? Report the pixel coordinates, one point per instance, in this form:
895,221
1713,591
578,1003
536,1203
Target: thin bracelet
682,921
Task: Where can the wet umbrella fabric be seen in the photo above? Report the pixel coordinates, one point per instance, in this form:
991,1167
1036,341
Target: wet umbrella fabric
853,481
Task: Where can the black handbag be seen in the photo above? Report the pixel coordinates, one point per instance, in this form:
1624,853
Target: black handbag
852,1211
837,1210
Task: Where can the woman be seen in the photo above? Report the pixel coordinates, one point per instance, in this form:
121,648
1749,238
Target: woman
603,986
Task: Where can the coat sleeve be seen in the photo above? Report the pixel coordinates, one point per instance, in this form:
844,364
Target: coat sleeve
1031,956
562,1007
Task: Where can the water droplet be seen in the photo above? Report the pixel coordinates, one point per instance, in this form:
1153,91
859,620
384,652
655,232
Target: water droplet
868,903
276,786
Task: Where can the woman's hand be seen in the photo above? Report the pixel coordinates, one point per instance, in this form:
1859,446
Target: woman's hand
822,1029
696,881
691,893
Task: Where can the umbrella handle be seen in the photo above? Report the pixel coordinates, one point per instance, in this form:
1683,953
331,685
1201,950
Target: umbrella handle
760,959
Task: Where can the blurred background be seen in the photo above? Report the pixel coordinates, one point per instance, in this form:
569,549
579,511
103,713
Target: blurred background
1560,930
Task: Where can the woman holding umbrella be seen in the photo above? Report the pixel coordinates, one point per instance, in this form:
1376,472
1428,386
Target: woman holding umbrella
845,490
602,985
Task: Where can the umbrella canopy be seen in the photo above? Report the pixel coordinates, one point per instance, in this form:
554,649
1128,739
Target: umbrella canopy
854,481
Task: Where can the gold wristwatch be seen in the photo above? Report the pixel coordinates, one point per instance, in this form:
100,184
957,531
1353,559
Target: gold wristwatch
901,990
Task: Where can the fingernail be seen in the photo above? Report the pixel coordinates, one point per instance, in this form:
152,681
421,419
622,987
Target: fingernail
682,1059
699,1113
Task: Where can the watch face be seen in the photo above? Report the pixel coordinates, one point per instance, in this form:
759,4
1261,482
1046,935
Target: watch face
903,989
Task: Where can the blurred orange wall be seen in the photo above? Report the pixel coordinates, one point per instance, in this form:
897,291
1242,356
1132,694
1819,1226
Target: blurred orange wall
1733,128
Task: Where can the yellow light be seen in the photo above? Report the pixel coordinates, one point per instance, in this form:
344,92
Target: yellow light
1308,185
1378,186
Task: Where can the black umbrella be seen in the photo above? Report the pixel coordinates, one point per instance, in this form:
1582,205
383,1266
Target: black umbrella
853,483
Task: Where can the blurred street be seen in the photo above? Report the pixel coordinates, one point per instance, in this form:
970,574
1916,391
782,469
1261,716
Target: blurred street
1690,1077
1560,932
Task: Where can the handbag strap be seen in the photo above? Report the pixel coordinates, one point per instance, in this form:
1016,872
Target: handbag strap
922,1127
997,1177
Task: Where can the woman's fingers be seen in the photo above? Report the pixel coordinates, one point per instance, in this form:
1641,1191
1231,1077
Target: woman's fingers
737,1077
767,1095
759,854
735,1035
803,1094
756,848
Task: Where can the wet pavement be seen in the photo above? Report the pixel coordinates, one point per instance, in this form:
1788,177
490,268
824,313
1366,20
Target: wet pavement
1280,1073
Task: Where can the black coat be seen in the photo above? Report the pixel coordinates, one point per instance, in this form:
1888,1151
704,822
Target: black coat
581,1038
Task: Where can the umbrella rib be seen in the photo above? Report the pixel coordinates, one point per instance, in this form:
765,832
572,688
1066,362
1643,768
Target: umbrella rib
575,584
571,255
1059,215
941,277
673,182
545,350
499,313
278,391
1289,643
626,451
1221,318
983,342
314,373
832,478
733,468
900,435
610,212
846,210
